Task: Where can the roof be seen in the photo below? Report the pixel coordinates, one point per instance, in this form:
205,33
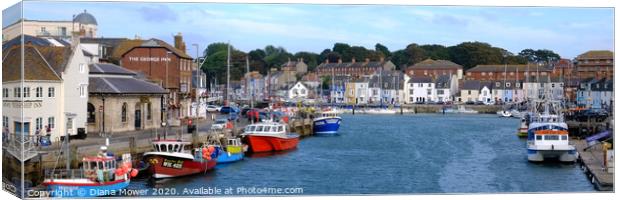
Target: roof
597,54
471,85
85,18
508,68
36,41
106,68
57,57
437,64
35,65
443,81
373,64
603,85
420,79
122,85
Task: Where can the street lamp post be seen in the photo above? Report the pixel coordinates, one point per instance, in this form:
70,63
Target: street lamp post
167,123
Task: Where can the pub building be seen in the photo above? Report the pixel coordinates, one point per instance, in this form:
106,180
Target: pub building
168,66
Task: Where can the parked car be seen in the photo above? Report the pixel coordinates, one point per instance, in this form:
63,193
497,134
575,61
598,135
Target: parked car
213,108
229,109
470,102
219,124
479,103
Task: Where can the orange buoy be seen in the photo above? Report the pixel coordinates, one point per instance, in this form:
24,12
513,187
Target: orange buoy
134,172
118,172
211,149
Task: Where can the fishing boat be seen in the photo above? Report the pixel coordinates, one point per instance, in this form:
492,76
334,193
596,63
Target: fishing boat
232,152
327,123
171,158
459,110
270,136
547,134
100,175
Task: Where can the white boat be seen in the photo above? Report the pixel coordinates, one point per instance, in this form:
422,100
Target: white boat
547,134
515,113
385,111
504,113
459,110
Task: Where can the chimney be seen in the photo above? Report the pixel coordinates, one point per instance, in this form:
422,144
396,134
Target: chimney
339,60
381,59
352,60
178,42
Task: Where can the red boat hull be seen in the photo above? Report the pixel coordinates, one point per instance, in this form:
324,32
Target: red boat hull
169,167
266,143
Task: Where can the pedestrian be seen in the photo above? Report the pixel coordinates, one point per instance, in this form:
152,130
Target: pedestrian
37,135
48,131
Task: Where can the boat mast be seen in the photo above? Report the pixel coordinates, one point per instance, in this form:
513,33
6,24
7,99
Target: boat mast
228,75
247,69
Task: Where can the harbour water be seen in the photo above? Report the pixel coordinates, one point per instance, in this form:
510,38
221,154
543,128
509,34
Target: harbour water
387,154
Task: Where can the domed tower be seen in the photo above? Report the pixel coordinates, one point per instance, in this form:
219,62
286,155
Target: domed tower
85,24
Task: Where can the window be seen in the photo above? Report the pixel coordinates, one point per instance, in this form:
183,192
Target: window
428,91
5,92
124,113
83,92
50,122
429,85
82,67
469,92
17,92
518,84
91,113
410,91
148,111
539,137
552,137
507,84
51,92
564,137
26,92
484,73
39,123
5,121
38,92
497,84
440,92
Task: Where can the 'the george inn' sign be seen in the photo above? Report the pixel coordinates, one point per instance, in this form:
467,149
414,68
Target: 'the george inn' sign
149,59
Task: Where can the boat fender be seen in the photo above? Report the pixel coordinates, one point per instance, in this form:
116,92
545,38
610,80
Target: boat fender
118,172
205,154
134,173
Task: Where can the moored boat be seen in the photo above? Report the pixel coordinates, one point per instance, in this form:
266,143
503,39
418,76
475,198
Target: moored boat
547,136
327,123
232,152
270,136
504,113
171,158
100,175
380,111
522,130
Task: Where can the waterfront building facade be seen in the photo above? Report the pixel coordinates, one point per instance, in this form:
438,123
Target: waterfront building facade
84,25
119,101
595,93
469,91
420,89
596,63
54,86
446,87
298,91
485,95
435,68
508,91
386,89
356,91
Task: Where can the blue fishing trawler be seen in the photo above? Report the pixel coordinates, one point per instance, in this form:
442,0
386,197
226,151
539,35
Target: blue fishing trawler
327,123
233,152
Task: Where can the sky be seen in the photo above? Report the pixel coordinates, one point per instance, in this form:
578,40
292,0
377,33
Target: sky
569,31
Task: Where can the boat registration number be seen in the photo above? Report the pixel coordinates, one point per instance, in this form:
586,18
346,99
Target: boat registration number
177,164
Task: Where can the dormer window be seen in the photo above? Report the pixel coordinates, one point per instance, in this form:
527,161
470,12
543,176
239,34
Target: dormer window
508,84
497,84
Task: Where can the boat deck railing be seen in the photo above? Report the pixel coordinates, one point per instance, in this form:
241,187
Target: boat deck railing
64,174
15,144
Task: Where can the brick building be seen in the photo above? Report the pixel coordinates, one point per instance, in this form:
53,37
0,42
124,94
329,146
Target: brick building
435,68
508,72
354,68
597,64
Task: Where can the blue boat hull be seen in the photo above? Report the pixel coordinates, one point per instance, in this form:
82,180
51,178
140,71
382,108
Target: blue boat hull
59,190
225,157
327,126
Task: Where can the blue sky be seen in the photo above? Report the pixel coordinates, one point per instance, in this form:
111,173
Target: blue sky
304,27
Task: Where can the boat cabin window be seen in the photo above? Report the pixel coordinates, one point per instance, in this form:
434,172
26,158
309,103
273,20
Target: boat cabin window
163,147
273,129
156,147
552,137
176,148
251,128
259,129
539,137
564,137
280,128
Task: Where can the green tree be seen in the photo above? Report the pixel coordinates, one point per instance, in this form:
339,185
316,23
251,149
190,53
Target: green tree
384,50
436,52
415,54
400,59
311,59
323,55
470,54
